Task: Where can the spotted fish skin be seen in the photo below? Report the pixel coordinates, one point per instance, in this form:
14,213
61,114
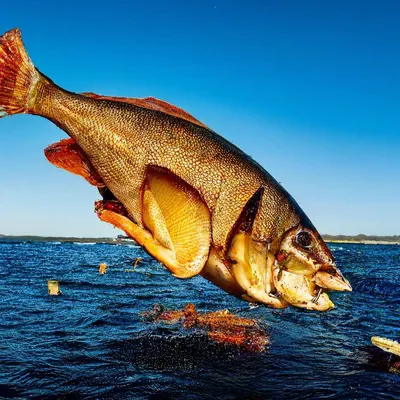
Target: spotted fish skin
122,140
192,199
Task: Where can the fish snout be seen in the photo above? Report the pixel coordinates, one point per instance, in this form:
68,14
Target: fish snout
330,277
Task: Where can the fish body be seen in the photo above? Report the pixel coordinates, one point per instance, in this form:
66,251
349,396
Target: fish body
195,201
137,137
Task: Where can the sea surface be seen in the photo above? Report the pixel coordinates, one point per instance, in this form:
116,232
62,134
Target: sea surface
91,342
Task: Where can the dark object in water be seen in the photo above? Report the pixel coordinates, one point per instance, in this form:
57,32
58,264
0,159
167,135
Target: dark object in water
221,326
393,348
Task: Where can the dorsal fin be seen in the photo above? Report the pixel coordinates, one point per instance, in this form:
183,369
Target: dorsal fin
150,103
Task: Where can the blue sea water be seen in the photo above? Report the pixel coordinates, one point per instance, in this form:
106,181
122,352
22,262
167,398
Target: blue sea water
92,343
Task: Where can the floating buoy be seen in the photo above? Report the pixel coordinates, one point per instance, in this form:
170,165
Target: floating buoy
103,268
54,288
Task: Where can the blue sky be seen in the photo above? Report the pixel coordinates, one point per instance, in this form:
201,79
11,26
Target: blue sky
310,89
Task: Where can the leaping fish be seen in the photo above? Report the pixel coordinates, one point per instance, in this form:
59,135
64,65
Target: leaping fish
193,200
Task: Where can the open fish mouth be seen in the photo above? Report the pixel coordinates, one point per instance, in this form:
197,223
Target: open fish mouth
260,275
309,290
300,291
333,280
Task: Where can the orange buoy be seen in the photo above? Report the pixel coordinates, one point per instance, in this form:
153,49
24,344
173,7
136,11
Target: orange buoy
103,268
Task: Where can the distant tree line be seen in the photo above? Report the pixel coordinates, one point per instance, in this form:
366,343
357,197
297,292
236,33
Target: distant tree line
361,238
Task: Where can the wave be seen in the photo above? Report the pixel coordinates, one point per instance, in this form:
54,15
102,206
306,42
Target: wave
377,286
336,248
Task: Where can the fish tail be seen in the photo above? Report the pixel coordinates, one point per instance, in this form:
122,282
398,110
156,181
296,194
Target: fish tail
18,75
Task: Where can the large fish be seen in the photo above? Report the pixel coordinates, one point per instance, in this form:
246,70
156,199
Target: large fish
194,201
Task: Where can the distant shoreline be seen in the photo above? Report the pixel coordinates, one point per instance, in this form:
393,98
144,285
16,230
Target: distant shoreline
362,241
359,239
32,238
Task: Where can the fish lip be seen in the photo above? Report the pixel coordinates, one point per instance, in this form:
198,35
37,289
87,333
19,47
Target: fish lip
349,287
337,275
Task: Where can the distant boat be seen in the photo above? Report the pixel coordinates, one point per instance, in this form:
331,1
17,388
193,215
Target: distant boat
123,239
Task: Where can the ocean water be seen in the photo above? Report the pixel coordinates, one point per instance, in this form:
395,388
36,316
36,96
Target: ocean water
92,343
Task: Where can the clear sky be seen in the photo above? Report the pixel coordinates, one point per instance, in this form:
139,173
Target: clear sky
310,89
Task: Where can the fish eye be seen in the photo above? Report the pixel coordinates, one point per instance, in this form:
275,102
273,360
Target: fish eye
304,239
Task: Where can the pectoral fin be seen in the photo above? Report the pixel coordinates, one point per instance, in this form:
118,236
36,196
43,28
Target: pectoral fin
140,235
154,220
178,219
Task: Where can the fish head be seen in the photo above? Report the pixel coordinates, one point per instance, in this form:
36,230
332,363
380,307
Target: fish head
303,251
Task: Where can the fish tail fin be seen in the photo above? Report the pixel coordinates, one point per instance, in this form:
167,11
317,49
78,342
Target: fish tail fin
18,75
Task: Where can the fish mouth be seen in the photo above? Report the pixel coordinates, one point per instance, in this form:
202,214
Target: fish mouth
303,282
300,290
305,270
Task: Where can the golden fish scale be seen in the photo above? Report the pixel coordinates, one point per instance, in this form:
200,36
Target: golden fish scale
122,140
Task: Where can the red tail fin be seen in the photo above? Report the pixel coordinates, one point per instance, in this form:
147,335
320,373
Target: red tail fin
17,74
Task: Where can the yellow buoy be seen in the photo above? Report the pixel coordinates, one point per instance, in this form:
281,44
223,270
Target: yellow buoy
103,268
54,288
